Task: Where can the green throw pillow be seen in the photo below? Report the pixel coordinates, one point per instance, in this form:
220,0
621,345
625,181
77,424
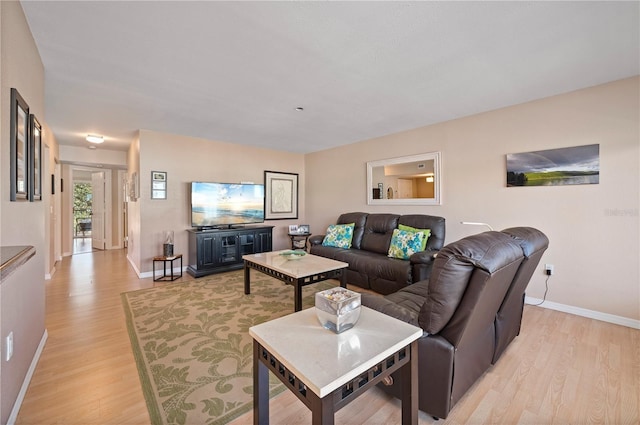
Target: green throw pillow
404,244
427,233
339,235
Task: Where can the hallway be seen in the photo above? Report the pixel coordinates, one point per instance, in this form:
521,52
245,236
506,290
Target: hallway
87,373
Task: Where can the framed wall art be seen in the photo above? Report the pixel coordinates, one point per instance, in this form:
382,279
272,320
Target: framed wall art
555,167
158,185
35,161
281,195
19,151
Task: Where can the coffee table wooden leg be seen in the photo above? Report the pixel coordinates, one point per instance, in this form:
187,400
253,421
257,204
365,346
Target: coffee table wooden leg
260,388
297,296
247,279
410,388
343,278
322,411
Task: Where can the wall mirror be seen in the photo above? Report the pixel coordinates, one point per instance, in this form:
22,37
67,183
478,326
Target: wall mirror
407,180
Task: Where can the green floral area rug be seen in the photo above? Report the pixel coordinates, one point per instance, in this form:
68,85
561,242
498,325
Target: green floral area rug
192,345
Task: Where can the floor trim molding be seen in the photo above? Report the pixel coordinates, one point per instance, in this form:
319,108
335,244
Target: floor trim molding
591,314
27,380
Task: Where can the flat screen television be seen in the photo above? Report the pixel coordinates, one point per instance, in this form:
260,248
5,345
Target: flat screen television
226,204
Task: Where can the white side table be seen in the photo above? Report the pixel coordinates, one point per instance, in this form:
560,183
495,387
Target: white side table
325,370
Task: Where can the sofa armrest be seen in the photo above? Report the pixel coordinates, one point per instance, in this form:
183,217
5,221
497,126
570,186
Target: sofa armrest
423,257
316,239
421,264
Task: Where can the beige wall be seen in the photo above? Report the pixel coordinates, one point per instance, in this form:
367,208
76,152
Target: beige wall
21,223
187,159
593,229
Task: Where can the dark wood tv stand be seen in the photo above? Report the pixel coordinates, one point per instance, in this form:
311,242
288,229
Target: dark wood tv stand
220,250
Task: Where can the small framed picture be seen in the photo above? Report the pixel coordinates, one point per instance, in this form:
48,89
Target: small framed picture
303,228
293,228
158,185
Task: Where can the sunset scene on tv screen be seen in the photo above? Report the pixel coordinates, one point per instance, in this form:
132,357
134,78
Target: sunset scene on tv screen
215,204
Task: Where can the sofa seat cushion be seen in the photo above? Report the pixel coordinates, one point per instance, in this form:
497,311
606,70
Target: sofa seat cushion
331,252
376,265
388,307
411,297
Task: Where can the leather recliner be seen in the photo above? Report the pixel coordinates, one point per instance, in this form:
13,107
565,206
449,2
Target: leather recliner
534,243
457,308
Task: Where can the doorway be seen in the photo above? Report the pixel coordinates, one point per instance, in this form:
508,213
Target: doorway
82,212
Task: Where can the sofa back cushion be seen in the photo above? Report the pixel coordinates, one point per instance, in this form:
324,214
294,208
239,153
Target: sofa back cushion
358,219
434,223
378,231
453,269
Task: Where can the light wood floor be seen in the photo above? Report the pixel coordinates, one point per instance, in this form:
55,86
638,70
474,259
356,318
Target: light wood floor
561,369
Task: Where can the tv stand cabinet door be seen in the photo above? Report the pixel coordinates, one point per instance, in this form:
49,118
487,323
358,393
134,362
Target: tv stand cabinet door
207,258
262,241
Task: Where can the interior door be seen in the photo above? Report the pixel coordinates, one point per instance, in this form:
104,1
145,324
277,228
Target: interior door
97,210
405,189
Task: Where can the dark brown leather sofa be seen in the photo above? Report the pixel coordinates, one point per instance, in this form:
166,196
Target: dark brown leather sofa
470,310
369,266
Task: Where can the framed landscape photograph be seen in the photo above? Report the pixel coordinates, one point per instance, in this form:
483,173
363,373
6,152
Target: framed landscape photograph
281,195
19,150
555,167
35,162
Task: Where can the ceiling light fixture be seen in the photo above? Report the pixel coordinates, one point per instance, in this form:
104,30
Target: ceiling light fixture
299,109
92,138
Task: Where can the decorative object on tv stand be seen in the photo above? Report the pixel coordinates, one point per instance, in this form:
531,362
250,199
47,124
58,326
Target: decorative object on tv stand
158,185
281,195
167,247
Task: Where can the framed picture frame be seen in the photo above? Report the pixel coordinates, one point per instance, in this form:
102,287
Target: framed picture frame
281,195
303,228
35,161
293,228
158,185
19,150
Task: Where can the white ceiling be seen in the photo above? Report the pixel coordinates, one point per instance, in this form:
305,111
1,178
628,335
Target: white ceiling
236,71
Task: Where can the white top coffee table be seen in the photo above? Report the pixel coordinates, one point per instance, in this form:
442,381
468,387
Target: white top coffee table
300,272
325,370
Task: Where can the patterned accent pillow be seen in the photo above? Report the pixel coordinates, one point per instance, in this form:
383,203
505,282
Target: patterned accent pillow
339,235
404,244
427,233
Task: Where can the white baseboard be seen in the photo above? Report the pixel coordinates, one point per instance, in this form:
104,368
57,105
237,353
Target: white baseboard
48,276
135,269
591,314
27,380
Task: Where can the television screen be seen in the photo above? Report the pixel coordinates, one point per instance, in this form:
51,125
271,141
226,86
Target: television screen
226,204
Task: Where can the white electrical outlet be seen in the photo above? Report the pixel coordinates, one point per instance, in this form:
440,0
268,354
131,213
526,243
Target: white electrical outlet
9,345
548,269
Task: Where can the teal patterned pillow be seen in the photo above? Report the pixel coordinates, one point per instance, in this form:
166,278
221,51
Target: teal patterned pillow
339,235
404,243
